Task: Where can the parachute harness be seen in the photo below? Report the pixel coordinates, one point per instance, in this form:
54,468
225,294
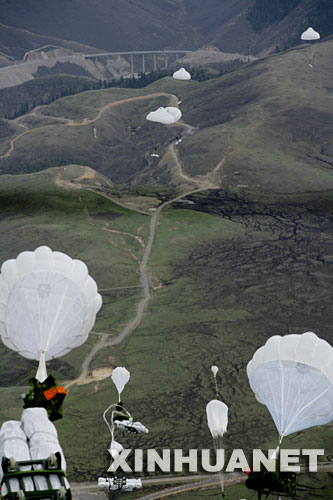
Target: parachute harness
122,413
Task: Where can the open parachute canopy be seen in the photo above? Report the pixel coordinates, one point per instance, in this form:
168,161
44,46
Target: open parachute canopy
182,74
165,115
293,377
120,376
48,305
310,34
214,369
217,418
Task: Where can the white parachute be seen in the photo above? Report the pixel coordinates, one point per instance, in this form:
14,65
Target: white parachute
175,112
120,376
182,74
115,449
166,115
293,377
48,305
214,370
310,34
217,418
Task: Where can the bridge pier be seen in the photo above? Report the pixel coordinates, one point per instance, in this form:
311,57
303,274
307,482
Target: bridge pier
165,61
143,64
132,66
155,63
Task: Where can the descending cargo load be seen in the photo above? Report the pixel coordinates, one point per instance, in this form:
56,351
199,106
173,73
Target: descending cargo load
32,463
43,441
46,395
14,446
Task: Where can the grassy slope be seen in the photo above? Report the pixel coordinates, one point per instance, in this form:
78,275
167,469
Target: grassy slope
36,212
43,89
267,121
311,488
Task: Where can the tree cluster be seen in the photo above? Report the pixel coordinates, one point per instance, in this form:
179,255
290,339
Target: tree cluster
263,13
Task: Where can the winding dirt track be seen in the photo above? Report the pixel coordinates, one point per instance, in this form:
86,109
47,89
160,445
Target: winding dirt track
86,121
194,185
142,305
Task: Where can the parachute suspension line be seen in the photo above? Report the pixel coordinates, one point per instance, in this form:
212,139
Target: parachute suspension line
304,408
57,314
218,445
41,373
113,414
216,389
215,369
110,427
312,53
276,452
282,396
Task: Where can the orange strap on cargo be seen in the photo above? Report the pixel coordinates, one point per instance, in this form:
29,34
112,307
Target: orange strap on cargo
51,393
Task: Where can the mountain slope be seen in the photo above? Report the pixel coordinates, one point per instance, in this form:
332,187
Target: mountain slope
265,124
114,25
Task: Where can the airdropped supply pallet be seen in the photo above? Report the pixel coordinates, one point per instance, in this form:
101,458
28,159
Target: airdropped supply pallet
52,465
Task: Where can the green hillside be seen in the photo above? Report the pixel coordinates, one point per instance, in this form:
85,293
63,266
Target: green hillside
265,125
243,26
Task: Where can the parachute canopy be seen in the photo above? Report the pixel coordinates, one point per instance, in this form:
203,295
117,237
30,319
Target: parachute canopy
182,74
310,34
120,376
214,370
164,115
217,417
175,112
115,448
48,305
293,377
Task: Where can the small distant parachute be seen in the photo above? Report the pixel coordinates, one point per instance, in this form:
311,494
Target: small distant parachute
164,115
181,74
309,35
217,418
48,305
214,370
120,376
293,377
